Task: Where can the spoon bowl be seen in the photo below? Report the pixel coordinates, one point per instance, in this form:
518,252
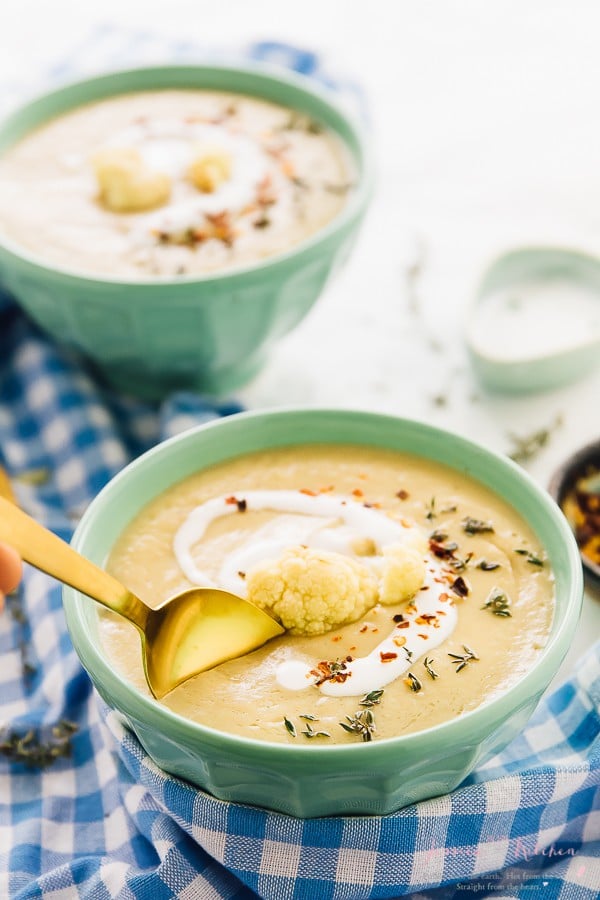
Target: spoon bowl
187,634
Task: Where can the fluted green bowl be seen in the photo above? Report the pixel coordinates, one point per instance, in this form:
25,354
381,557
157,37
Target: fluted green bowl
211,332
374,778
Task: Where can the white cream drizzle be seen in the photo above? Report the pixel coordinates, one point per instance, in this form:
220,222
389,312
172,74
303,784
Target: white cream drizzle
330,522
320,513
372,672
169,146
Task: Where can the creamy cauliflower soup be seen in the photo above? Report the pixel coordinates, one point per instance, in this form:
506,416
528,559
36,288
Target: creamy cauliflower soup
171,183
409,593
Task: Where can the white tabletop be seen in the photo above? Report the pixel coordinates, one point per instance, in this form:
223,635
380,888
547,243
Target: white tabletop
485,133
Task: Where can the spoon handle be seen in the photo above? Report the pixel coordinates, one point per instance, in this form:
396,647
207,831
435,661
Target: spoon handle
44,550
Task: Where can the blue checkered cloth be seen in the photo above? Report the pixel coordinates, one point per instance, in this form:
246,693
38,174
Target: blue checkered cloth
104,822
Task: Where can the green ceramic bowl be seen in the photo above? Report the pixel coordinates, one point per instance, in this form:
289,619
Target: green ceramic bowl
306,781
209,333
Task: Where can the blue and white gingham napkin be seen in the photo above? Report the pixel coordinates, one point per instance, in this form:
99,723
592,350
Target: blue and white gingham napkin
104,822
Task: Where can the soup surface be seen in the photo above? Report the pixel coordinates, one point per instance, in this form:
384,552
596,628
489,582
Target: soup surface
171,182
285,527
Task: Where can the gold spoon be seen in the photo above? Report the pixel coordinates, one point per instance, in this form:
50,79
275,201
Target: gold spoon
189,633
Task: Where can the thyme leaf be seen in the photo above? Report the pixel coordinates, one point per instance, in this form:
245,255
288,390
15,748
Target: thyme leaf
361,723
498,603
486,566
428,663
36,753
531,558
413,682
372,698
289,726
461,661
476,526
309,732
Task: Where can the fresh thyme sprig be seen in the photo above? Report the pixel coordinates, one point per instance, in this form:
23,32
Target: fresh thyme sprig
413,682
373,698
461,661
428,663
361,723
531,557
309,732
430,512
498,603
525,448
476,526
35,753
486,566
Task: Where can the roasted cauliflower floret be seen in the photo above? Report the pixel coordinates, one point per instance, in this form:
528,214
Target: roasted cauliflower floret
312,591
209,169
126,183
402,573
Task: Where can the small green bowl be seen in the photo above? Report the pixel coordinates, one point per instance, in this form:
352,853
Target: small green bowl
211,333
307,781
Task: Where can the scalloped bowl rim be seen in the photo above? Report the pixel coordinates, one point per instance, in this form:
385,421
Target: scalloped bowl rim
271,73
126,698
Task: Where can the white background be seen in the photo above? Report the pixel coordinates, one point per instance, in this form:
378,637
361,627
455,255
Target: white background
485,129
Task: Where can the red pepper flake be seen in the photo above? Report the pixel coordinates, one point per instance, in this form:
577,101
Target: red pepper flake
242,505
425,619
440,612
424,636
357,492
444,597
326,490
242,574
404,625
336,637
231,501
425,587
363,629
353,648
402,494
387,657
308,492
398,618
374,630
372,505
400,641
331,671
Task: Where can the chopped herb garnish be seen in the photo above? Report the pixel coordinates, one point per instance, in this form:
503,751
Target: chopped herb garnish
476,526
428,662
361,723
487,566
372,698
413,683
409,653
309,732
531,558
525,448
289,726
309,717
36,753
498,603
430,510
461,661
459,564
